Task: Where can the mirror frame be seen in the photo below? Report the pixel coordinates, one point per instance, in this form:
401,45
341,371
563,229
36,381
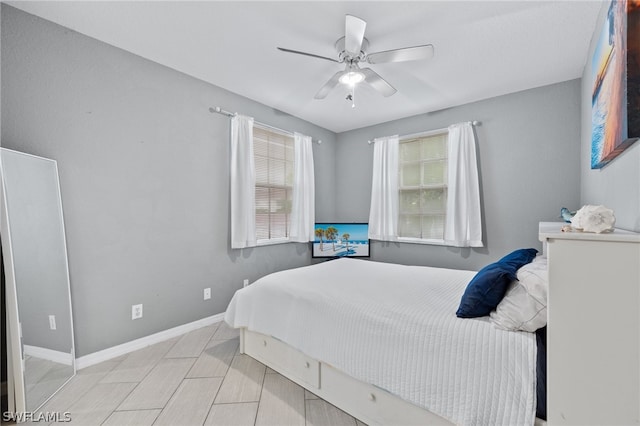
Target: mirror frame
15,345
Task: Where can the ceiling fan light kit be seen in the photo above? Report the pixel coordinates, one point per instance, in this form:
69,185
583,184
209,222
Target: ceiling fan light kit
352,50
352,75
351,78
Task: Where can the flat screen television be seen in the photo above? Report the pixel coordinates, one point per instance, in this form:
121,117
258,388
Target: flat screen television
336,239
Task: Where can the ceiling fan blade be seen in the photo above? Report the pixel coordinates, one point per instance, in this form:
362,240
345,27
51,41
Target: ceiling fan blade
353,34
400,55
377,82
307,54
333,82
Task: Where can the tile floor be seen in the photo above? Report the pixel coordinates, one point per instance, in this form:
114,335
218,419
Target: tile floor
198,378
42,377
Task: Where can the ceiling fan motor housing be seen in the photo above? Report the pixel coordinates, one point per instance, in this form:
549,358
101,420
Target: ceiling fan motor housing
345,57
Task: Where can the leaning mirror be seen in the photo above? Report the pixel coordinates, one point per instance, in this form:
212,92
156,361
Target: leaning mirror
42,356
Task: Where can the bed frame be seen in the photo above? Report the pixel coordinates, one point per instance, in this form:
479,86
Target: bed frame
367,403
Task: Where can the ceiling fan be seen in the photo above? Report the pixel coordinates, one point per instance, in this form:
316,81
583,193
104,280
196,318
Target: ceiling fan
352,49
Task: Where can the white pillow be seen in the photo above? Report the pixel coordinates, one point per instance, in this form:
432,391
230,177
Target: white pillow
524,306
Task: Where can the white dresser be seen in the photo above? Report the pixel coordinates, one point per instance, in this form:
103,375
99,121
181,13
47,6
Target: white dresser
593,333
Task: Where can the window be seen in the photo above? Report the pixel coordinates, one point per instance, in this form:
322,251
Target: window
422,184
272,188
426,189
274,161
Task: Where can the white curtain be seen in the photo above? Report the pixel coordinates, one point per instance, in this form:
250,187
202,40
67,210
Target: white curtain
303,202
243,182
383,215
463,225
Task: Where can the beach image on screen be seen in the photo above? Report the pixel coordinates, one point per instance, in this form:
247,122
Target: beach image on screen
341,240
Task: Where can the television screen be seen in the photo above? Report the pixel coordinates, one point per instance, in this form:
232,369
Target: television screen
341,240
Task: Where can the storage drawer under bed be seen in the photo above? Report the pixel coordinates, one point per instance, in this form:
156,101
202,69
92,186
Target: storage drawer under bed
291,363
366,402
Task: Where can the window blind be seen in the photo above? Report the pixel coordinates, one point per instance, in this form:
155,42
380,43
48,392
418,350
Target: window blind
274,165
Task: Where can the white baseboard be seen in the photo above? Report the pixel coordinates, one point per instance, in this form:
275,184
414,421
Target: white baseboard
143,342
48,354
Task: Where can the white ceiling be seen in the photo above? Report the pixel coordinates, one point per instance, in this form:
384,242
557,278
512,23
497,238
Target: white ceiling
482,48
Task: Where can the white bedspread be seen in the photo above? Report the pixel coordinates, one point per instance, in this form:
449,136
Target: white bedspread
394,326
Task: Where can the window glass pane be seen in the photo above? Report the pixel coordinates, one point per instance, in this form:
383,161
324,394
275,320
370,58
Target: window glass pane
410,174
433,200
410,201
434,147
276,172
409,226
289,151
259,132
262,226
260,146
288,177
262,200
278,225
433,227
276,148
279,201
434,172
410,150
262,170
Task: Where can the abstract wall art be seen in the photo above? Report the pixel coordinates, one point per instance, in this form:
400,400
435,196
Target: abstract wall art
615,68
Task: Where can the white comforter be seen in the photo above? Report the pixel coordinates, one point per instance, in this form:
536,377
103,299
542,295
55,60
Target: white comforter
394,326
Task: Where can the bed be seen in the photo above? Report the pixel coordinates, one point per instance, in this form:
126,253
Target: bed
382,342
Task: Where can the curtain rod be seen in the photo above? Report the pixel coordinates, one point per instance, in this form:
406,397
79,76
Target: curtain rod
221,111
414,135
233,114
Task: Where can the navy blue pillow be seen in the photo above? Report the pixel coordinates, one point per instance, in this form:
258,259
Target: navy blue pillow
517,259
488,286
485,291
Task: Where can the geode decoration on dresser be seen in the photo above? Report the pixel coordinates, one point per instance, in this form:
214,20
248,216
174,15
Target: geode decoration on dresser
596,219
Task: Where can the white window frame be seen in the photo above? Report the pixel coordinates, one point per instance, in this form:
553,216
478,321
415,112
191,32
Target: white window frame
405,139
274,240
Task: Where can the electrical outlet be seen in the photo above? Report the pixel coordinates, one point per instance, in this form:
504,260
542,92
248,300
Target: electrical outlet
136,311
207,293
52,322
245,282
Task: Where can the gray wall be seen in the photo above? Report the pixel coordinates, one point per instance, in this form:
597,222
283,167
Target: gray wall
529,160
617,185
144,178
